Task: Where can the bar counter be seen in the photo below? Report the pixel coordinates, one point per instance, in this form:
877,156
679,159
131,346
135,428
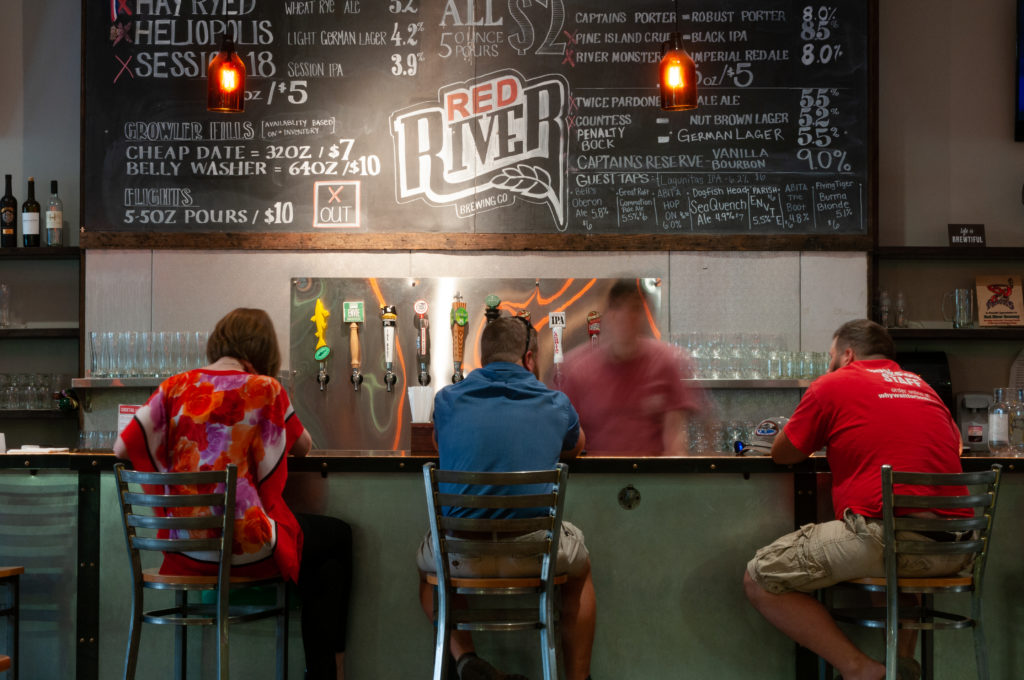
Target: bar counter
323,460
669,539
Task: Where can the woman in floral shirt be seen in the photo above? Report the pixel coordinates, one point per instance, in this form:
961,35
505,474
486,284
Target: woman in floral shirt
233,412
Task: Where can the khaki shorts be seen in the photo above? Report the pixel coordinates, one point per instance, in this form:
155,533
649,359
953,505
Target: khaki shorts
573,558
820,555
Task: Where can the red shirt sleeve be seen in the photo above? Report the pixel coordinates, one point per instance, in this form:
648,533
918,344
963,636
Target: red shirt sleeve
807,429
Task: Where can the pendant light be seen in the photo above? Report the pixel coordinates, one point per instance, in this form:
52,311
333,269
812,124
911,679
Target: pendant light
225,80
678,73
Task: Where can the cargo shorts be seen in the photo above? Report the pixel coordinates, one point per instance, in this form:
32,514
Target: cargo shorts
820,555
573,558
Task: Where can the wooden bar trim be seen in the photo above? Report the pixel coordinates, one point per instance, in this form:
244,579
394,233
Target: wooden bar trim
471,242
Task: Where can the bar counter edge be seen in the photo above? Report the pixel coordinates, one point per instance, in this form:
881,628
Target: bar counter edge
325,461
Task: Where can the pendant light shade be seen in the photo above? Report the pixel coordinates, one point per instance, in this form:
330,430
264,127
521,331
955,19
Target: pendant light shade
225,80
678,76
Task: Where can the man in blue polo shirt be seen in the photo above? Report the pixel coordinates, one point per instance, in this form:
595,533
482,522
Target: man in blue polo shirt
501,418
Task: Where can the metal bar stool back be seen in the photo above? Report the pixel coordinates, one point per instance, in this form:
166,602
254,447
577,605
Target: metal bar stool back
540,493
189,512
932,535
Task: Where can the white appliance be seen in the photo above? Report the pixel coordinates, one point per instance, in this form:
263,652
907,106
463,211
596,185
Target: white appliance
972,415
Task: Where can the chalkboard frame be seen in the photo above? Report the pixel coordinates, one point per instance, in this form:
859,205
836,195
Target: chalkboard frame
432,241
472,242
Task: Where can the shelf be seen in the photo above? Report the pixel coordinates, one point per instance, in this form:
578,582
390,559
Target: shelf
38,332
36,414
1011,334
105,383
750,384
41,253
942,253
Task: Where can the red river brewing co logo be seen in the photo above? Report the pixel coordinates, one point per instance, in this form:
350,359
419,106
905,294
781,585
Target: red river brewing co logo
484,143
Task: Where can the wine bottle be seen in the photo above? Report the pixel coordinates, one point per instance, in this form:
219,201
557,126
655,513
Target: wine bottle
8,217
54,218
30,217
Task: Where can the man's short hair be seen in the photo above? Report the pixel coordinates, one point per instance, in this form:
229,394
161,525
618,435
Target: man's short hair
504,339
866,338
624,291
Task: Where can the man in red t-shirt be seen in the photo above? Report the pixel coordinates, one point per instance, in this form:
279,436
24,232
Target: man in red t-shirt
868,412
628,390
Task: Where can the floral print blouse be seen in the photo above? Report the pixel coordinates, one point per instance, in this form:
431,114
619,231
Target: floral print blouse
204,420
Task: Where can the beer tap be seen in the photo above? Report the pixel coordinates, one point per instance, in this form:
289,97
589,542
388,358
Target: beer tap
491,311
322,351
459,319
389,317
422,341
353,317
593,327
557,322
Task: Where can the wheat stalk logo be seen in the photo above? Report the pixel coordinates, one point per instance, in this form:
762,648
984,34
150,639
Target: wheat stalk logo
527,180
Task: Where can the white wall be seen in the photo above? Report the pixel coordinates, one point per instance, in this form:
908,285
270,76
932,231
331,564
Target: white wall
40,97
946,149
802,297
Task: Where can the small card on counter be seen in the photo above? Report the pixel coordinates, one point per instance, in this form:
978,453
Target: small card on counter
999,300
125,413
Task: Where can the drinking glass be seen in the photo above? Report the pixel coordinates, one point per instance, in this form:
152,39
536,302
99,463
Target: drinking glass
144,355
5,305
41,394
167,354
180,355
95,352
7,400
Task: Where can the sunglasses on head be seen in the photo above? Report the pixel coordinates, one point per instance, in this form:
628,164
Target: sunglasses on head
529,327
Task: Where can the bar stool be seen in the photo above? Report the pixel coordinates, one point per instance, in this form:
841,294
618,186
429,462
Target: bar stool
174,492
952,536
11,578
471,537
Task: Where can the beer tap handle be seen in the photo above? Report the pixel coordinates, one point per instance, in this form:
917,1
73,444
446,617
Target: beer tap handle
356,359
459,319
594,327
322,351
422,341
389,318
353,316
492,309
557,322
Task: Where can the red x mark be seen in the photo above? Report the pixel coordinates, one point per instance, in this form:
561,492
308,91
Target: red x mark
122,6
124,67
568,57
335,195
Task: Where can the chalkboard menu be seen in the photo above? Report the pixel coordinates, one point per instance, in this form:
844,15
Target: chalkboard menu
478,117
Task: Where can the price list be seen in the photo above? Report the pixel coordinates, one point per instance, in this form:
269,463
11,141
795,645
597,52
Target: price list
477,116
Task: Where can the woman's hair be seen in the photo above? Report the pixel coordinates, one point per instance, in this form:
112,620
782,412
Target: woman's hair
248,335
